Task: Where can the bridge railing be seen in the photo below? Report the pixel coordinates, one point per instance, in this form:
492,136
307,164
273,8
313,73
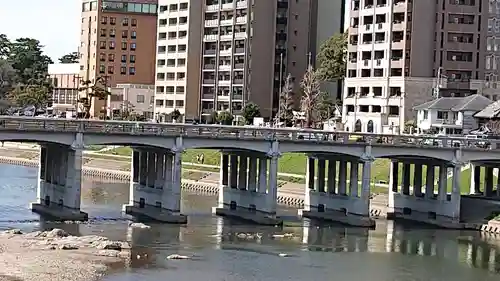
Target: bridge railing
238,132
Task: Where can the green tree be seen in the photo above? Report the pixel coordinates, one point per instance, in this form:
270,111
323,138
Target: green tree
332,58
98,90
212,118
326,106
70,58
225,118
176,114
311,96
286,102
4,46
31,95
7,78
250,111
28,60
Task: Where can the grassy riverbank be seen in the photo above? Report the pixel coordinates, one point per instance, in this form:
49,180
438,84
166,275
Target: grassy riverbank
295,164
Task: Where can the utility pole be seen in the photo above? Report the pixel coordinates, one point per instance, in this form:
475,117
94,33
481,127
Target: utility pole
439,82
280,90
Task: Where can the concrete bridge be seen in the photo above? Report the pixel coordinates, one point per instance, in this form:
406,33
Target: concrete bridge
249,165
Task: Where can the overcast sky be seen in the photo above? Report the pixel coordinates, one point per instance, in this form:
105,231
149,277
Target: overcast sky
55,23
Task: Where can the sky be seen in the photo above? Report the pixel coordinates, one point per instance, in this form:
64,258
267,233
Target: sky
55,23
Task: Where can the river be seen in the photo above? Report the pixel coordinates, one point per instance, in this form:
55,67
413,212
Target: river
315,252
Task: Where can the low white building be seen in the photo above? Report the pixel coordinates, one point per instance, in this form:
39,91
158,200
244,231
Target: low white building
134,98
66,81
450,115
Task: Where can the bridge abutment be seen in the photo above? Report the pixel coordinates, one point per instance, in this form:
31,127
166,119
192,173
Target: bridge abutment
439,209
59,182
155,185
330,200
248,187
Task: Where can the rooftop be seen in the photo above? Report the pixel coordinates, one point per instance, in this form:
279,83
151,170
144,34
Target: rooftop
470,103
491,111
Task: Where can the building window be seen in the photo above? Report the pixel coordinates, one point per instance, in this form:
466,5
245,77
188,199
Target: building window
133,34
102,56
103,32
140,99
111,57
123,70
132,58
426,114
104,20
102,69
112,32
124,58
132,46
125,22
102,45
112,45
442,115
112,20
124,33
133,22
131,71
111,69
124,45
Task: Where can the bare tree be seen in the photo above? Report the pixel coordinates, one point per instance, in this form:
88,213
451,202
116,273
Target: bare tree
311,96
494,126
286,101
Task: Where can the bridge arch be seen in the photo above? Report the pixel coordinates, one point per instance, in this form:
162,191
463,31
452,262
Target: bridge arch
42,137
319,148
126,140
247,145
429,153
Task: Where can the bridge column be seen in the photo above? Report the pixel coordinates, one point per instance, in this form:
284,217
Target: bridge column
310,173
443,183
255,198
393,184
405,183
455,193
155,185
223,176
475,179
429,182
498,182
349,209
488,182
417,180
59,184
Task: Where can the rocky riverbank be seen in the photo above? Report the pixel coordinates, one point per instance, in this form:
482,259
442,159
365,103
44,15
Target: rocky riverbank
55,255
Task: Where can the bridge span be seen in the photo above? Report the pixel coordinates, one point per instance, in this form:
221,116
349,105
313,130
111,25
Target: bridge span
249,165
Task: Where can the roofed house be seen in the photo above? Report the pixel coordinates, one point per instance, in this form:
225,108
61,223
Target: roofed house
491,112
450,115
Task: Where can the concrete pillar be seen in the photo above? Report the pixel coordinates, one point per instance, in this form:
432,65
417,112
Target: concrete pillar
143,168
320,178
273,184
151,170
224,169
64,164
176,182
233,171
366,182
475,179
169,164
310,173
73,177
429,182
134,166
160,170
252,174
342,177
262,181
331,176
443,183
417,180
353,184
488,182
242,172
405,183
394,176
498,183
455,192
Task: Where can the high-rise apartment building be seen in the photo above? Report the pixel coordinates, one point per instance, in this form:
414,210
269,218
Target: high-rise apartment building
400,50
118,42
217,55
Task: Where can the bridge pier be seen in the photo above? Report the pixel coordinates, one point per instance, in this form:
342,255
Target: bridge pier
438,209
489,184
59,183
333,203
248,187
155,185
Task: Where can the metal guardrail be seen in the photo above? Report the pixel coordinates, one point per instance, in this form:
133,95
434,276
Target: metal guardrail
11,123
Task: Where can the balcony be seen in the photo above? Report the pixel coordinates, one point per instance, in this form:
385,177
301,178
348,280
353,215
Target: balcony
209,67
241,20
224,82
239,66
227,22
224,67
207,96
241,5
212,8
237,97
226,37
239,50
240,35
238,81
210,52
211,23
282,20
210,37
228,6
209,81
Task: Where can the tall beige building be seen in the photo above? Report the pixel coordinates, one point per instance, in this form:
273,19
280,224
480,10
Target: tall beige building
118,42
219,55
400,50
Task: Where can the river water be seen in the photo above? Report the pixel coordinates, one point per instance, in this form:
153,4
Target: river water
315,252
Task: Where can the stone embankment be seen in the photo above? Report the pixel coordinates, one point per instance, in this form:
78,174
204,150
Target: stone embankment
55,255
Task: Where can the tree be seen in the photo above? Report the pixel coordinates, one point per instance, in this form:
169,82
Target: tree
70,58
4,46
7,78
212,118
311,97
332,58
176,114
225,118
250,111
27,58
37,96
326,106
98,90
286,102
